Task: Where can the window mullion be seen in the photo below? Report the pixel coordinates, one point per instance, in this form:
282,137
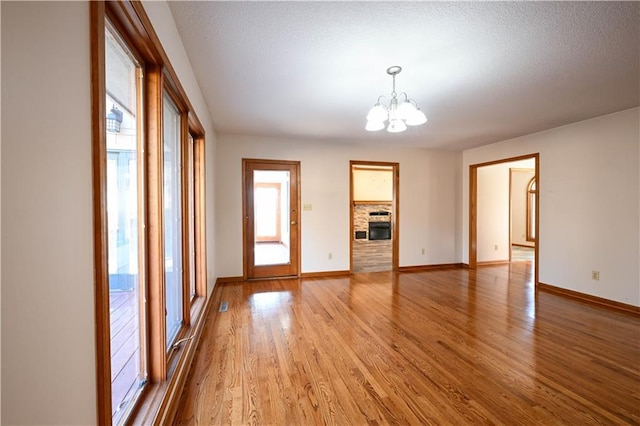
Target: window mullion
156,299
142,253
199,206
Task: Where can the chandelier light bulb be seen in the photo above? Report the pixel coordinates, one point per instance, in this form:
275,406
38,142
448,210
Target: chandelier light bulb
397,114
374,126
406,110
377,113
396,126
417,118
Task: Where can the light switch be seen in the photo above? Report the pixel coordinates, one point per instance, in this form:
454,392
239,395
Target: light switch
307,207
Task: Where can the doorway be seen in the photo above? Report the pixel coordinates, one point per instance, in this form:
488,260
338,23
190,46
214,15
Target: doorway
475,226
271,218
373,243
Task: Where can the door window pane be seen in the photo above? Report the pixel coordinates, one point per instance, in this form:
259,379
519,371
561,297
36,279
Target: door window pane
128,370
267,206
172,219
271,217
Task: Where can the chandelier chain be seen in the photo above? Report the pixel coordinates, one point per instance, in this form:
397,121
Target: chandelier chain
393,92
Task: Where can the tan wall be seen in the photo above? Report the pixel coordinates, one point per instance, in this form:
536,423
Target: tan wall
372,185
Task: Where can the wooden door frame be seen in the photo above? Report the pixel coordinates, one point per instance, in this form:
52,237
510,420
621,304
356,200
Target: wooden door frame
295,233
473,209
395,210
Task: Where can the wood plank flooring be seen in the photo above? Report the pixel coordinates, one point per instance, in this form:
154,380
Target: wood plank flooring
125,346
439,347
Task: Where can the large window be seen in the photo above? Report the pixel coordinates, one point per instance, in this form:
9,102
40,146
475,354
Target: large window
150,274
125,217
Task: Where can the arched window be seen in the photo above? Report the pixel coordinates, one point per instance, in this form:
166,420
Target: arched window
531,210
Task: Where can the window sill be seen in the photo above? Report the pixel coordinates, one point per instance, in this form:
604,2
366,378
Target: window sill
159,402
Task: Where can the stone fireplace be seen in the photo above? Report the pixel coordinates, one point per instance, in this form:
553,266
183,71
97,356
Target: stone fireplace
372,243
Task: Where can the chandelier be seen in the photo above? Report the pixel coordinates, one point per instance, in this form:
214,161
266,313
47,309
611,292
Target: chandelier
397,113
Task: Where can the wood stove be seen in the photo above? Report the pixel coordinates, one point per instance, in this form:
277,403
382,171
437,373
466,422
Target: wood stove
379,230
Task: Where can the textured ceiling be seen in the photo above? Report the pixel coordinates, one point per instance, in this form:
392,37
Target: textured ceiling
482,72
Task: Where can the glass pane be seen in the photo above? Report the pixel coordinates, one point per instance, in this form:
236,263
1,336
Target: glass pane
533,216
192,219
124,224
271,217
267,208
172,219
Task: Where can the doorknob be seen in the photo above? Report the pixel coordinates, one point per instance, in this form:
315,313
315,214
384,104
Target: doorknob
293,222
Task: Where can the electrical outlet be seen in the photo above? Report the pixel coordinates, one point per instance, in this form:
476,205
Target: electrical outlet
330,256
495,247
423,252
595,275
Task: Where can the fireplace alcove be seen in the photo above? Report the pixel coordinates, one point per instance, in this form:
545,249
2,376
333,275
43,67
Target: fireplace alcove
374,222
372,238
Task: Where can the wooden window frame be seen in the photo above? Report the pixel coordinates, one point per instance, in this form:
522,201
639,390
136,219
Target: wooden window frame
166,369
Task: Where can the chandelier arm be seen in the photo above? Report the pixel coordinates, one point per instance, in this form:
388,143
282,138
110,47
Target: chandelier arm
383,98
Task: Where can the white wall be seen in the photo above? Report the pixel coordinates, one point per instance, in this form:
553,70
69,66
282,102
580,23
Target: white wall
48,344
429,190
48,356
493,214
589,203
493,210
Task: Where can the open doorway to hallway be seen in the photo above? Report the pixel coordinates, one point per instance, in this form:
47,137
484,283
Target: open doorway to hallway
503,216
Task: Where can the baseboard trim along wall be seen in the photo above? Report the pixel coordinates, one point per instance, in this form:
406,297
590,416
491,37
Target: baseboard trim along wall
493,263
422,268
594,300
324,274
222,280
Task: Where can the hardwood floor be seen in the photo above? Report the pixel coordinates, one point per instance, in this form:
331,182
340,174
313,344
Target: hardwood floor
438,347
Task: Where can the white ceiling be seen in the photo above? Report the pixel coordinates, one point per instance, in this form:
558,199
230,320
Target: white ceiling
482,72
